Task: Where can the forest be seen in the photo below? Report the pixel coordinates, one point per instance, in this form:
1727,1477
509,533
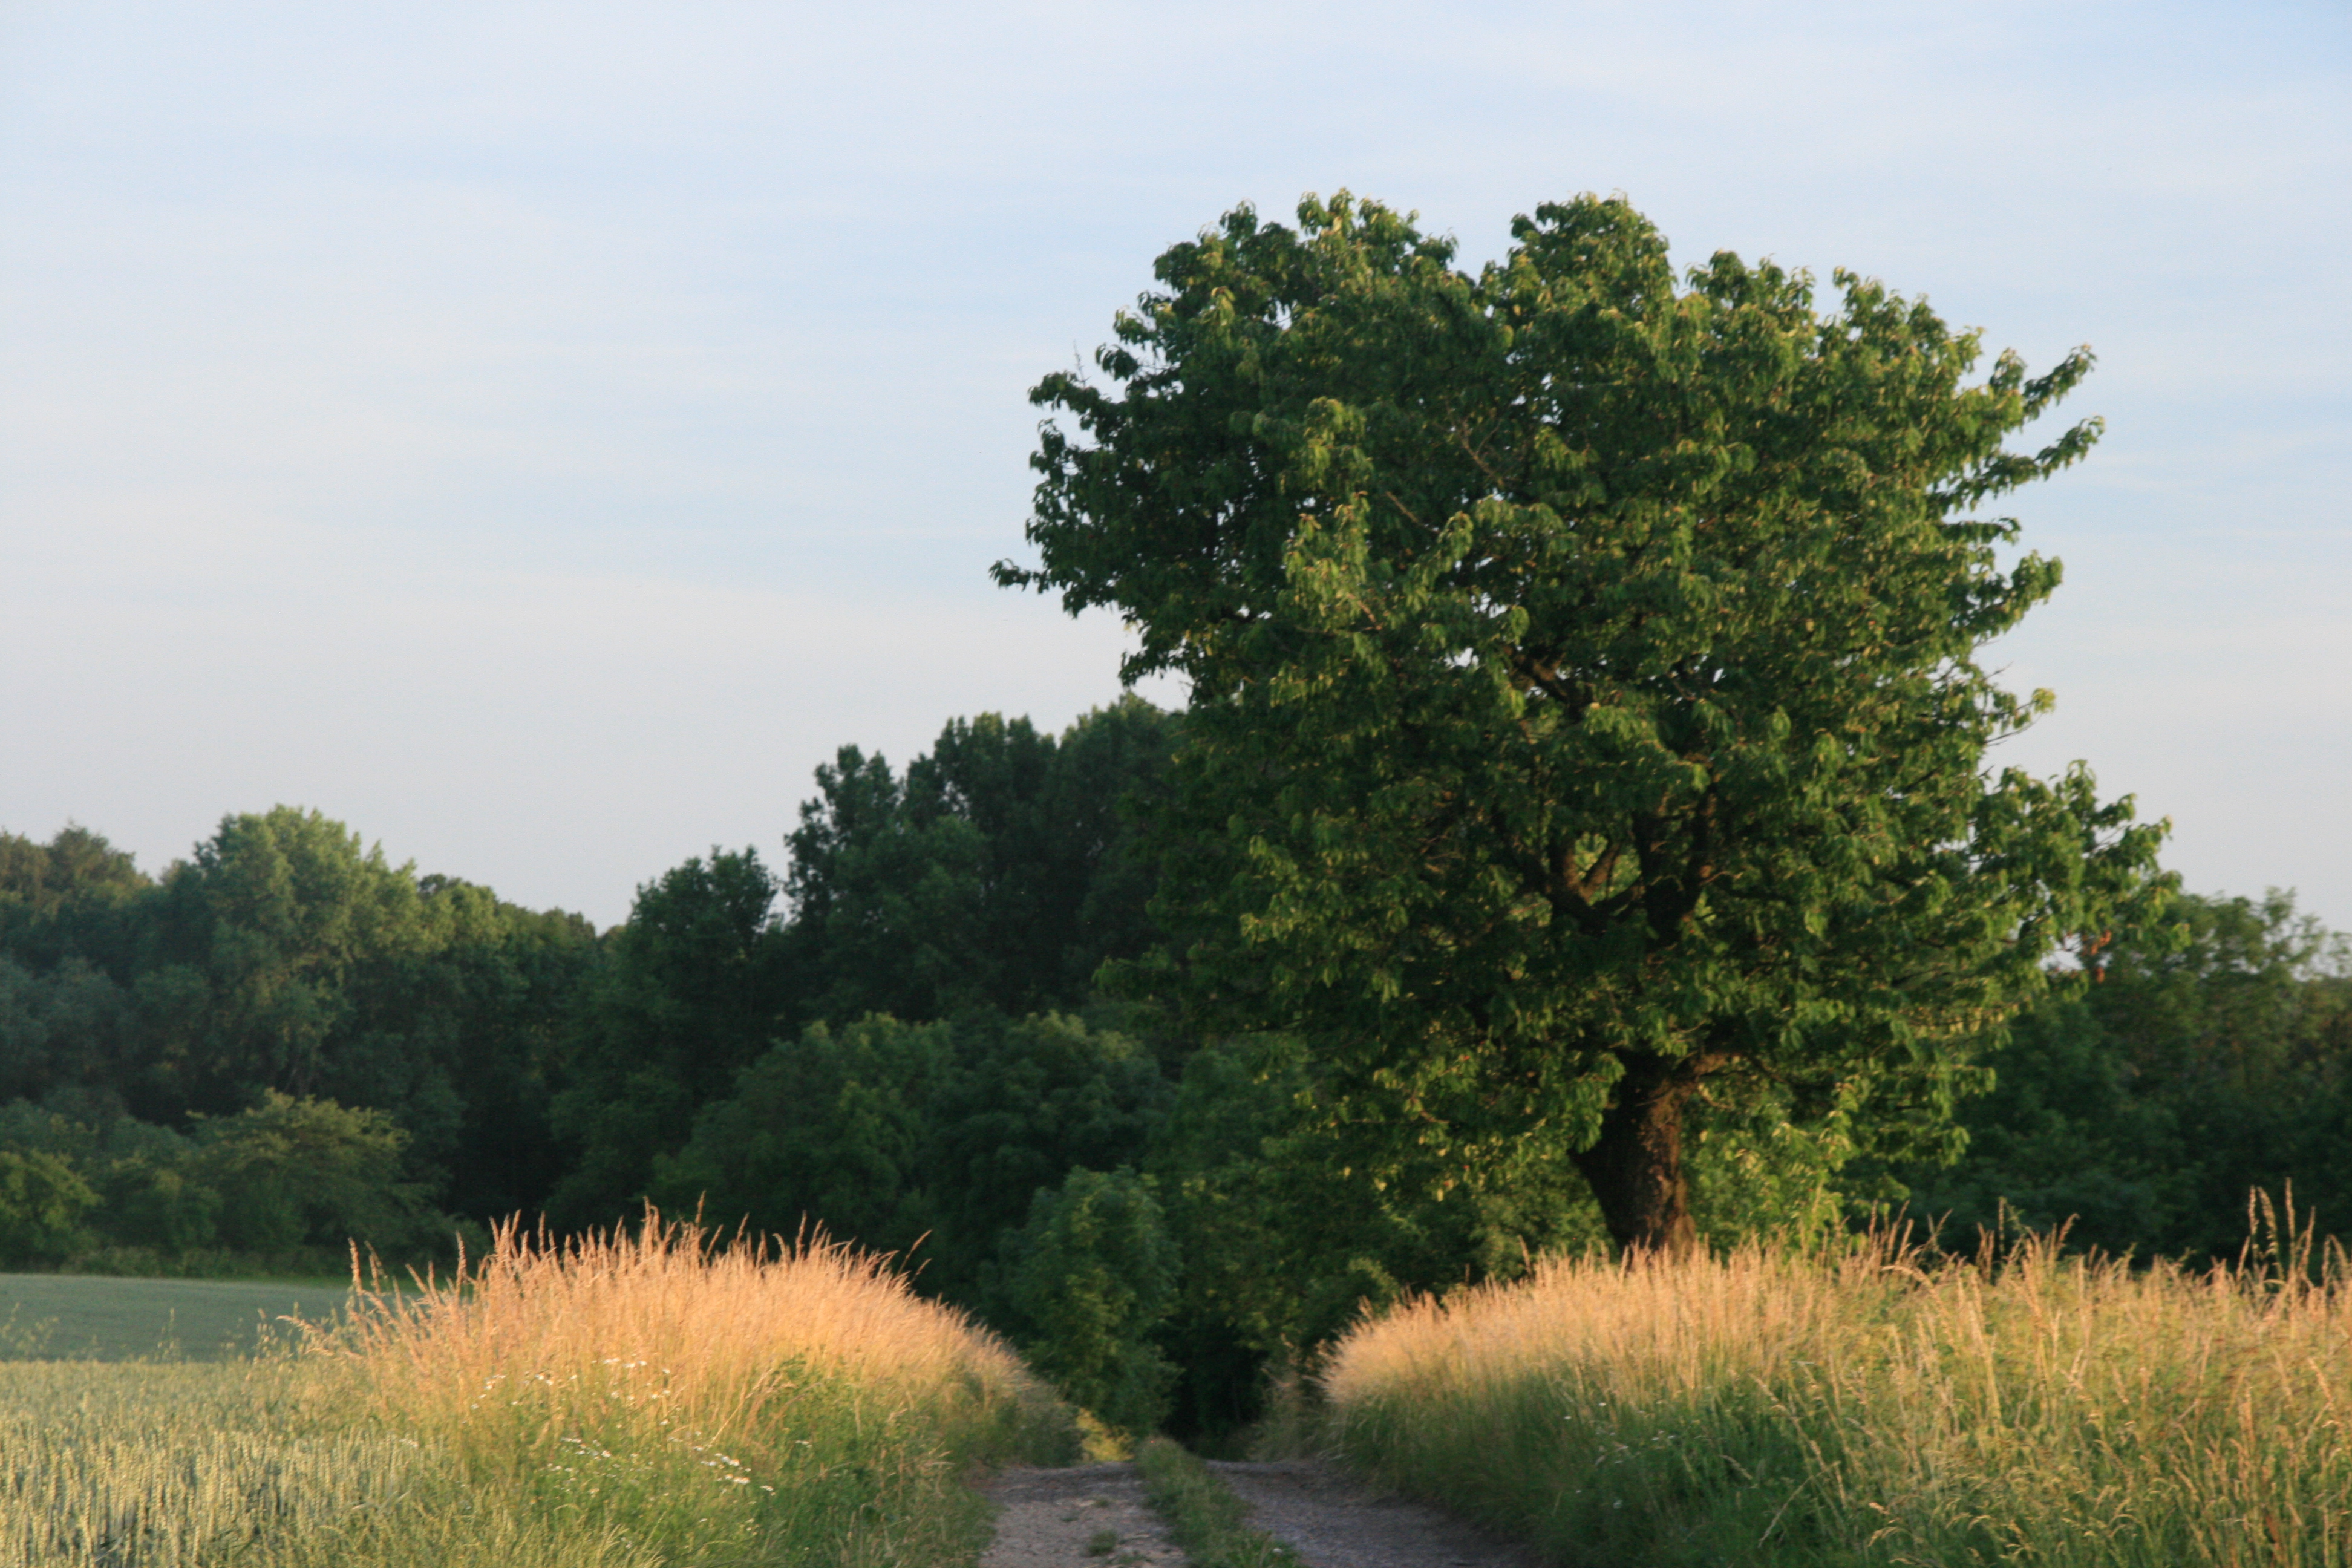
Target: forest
928,1027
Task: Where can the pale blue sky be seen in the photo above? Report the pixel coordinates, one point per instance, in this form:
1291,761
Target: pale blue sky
538,434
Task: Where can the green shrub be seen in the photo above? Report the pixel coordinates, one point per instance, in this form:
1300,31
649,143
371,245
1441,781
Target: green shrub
293,1172
42,1202
1095,1278
831,1128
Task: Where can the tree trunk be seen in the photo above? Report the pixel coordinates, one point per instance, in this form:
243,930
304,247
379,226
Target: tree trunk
1635,1167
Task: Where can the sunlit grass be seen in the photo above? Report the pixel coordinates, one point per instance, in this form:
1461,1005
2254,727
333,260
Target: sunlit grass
623,1400
723,1400
1881,1407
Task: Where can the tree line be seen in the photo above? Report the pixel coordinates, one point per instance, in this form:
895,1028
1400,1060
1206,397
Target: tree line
904,1033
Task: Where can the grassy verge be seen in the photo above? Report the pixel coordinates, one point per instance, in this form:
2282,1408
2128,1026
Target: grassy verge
618,1402
1203,1516
1882,1408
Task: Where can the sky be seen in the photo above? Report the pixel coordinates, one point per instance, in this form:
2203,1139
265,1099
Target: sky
538,435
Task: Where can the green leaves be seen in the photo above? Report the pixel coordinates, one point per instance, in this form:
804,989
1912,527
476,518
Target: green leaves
41,1202
1094,1274
997,871
1582,662
829,1129
295,1172
885,1133
2196,1057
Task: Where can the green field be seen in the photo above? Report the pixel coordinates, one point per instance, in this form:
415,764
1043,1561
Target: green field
72,1316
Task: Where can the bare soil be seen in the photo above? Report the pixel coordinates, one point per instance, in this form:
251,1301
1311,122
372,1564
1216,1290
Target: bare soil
1088,1515
1094,1515
1334,1521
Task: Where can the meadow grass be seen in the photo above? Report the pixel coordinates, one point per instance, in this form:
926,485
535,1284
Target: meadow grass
615,1402
1882,1406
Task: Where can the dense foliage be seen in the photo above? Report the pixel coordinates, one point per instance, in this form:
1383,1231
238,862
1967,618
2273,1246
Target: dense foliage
369,1052
988,880
281,1042
2205,1062
1583,682
288,1018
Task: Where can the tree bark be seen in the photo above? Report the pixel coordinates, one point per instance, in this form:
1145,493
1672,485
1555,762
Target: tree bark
1635,1166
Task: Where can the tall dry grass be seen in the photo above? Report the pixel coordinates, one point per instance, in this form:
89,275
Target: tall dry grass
646,1400
1883,1406
725,1401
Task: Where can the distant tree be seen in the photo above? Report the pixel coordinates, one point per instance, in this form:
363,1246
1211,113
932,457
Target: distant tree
2140,1110
42,1200
833,1129
151,1192
999,871
692,992
67,898
288,955
887,904
1030,1101
270,925
67,1030
515,987
285,1176
1067,883
295,1172
1585,713
884,1133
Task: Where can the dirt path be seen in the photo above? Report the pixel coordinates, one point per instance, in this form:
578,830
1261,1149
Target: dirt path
1055,1518
1084,1517
1332,1522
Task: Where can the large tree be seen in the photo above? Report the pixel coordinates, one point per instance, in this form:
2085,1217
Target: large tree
1585,697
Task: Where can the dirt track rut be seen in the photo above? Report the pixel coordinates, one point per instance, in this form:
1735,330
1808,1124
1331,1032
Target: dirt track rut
1055,1518
1051,1518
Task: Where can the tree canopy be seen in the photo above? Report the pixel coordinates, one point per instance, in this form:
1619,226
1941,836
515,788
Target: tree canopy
999,870
2140,1111
1586,719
